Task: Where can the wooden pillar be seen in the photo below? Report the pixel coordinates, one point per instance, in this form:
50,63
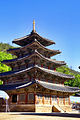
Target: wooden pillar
69,100
26,99
43,99
63,99
54,69
50,100
35,98
18,96
48,67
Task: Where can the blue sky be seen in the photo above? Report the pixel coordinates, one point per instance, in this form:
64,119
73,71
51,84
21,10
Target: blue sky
58,20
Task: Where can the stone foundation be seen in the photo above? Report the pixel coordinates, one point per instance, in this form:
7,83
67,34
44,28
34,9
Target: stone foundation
43,108
23,108
66,108
37,108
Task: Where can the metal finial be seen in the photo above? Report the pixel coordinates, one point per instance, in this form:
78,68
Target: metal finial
33,25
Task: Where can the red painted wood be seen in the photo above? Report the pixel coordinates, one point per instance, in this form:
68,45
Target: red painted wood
54,69
48,67
64,100
35,96
43,99
50,100
26,99
41,65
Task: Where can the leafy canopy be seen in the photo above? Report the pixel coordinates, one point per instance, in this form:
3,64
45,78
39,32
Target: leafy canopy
66,70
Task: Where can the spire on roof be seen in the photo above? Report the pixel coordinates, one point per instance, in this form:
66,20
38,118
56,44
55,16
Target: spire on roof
33,25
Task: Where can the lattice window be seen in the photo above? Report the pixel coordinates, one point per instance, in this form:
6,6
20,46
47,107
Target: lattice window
22,98
31,97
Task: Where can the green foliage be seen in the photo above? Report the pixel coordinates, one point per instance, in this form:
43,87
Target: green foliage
5,56
5,46
1,82
66,70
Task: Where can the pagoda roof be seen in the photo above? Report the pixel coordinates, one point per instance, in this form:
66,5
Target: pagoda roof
28,39
16,86
46,85
58,87
35,42
36,67
35,53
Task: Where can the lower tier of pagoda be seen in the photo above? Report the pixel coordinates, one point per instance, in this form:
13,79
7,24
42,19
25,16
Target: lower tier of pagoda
32,73
38,83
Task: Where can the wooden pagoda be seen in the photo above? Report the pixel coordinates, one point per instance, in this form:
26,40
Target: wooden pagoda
34,84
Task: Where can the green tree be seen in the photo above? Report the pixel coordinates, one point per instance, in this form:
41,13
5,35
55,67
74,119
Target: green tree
66,70
5,56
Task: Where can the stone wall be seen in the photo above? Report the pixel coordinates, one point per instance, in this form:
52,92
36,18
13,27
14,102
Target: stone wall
43,108
23,108
66,108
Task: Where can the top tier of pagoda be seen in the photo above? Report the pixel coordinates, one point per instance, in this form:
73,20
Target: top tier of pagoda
31,37
34,45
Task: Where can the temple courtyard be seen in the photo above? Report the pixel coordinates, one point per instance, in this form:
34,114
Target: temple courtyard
36,116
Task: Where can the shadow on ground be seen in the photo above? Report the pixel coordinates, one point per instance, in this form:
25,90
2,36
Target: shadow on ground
49,114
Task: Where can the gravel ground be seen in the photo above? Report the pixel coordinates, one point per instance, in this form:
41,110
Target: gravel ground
34,116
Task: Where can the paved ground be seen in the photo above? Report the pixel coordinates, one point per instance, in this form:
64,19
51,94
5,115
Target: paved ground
35,116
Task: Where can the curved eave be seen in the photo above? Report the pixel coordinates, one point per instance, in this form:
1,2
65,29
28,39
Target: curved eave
36,67
36,53
35,42
26,40
16,86
58,87
50,86
58,74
